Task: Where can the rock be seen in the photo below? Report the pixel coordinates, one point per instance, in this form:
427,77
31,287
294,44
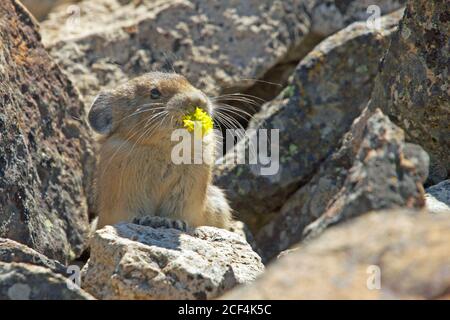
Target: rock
438,197
328,90
12,251
41,8
130,261
413,88
385,174
329,16
220,45
215,44
242,230
374,169
326,17
43,144
21,281
408,250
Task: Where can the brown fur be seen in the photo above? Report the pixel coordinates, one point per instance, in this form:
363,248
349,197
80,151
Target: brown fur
136,176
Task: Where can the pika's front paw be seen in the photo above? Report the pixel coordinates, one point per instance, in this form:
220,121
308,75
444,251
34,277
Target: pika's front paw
161,222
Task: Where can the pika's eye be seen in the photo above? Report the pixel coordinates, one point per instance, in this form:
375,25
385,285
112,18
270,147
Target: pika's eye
155,93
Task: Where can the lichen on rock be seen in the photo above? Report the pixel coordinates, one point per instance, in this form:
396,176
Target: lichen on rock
44,144
130,261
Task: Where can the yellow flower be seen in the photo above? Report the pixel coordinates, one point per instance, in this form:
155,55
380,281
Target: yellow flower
201,117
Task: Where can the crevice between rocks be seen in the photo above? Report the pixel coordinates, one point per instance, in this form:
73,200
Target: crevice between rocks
273,82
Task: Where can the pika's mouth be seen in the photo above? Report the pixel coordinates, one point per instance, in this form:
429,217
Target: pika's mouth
198,119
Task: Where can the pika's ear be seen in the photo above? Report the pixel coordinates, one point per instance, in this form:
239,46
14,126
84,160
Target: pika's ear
100,115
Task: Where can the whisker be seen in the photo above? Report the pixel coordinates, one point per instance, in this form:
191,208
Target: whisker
240,136
252,106
139,111
263,81
235,110
258,81
242,95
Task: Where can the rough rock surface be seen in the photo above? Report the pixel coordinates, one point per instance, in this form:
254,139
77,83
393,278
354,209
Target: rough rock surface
410,250
41,8
21,281
216,44
43,144
130,261
330,87
438,197
12,251
374,169
413,88
329,16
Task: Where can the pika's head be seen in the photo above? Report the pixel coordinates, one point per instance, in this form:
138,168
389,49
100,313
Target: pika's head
147,104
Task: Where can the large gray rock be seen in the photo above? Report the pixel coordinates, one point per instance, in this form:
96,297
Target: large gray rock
374,169
218,45
329,16
130,261
386,173
393,254
326,17
21,281
438,197
328,90
41,8
12,251
413,87
44,144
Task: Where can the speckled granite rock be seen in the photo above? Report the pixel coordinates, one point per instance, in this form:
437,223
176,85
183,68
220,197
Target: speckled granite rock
330,87
386,174
413,87
41,8
438,197
12,251
374,169
408,250
43,144
216,44
329,16
21,281
130,261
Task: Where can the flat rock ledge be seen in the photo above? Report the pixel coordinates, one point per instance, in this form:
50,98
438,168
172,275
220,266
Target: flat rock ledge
130,261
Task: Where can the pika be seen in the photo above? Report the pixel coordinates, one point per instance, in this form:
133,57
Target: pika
135,176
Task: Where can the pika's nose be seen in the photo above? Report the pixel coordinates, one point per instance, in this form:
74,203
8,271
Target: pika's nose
197,99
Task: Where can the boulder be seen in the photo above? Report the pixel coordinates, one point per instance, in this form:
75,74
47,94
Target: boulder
437,197
374,169
12,251
130,261
44,144
328,90
216,44
329,16
41,8
22,281
413,88
219,45
326,17
394,254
